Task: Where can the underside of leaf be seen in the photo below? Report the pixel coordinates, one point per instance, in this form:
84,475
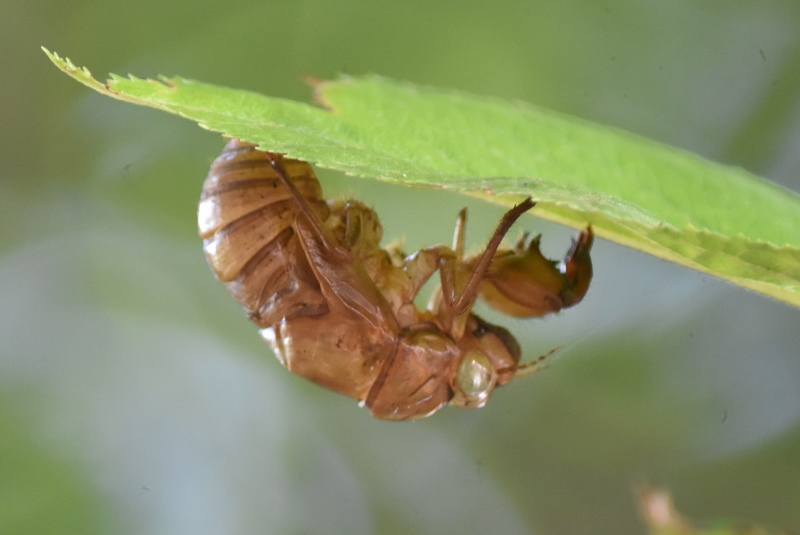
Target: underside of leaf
660,200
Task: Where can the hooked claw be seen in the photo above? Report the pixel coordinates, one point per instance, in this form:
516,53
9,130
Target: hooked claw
577,268
523,283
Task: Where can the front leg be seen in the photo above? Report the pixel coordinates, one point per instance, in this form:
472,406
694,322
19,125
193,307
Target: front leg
523,283
461,280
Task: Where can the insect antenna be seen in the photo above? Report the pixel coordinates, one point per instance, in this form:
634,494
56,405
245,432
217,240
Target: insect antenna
529,368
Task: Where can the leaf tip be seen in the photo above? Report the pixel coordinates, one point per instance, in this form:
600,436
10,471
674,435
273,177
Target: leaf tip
81,74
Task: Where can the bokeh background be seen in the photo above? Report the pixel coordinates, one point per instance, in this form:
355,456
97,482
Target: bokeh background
135,397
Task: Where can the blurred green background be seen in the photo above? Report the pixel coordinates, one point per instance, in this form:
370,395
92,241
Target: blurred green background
135,397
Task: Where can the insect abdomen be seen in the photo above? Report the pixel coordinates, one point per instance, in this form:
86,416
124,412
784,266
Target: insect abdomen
245,218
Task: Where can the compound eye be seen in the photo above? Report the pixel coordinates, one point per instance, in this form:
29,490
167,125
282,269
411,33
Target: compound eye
475,377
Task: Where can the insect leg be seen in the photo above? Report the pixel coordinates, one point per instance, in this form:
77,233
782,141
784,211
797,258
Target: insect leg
343,280
460,233
577,267
460,301
525,284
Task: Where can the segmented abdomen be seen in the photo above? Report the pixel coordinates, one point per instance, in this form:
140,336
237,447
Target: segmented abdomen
245,218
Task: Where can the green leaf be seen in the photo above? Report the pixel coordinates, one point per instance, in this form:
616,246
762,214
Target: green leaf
663,201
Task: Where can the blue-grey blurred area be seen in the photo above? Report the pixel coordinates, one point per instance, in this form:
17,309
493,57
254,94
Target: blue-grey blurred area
136,398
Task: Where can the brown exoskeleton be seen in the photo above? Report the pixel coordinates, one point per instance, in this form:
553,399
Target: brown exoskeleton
339,310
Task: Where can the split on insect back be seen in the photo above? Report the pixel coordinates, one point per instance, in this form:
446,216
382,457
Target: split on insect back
339,310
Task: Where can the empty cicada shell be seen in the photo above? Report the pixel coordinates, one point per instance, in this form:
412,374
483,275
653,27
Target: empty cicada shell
339,310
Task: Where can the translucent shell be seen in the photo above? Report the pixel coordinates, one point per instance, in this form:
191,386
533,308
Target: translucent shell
339,310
